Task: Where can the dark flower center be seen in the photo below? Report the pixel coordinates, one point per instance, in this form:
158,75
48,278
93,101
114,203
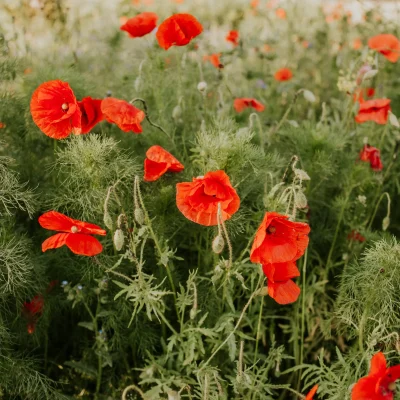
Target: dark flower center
271,229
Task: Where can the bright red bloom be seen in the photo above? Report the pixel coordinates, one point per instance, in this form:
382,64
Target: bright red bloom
75,234
233,37
283,74
279,240
310,395
280,13
158,162
140,25
55,110
374,110
178,30
380,382
90,113
356,236
242,103
373,155
386,44
123,114
214,60
198,200
360,94
280,285
32,311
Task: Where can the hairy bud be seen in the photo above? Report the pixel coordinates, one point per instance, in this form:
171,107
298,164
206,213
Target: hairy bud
139,216
385,223
119,239
218,244
202,86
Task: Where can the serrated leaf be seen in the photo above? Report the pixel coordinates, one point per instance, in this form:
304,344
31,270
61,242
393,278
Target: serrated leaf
87,325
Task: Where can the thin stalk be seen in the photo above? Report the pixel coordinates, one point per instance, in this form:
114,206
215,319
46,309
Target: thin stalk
258,329
285,116
376,208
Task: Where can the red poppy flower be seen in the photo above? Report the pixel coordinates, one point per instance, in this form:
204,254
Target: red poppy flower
140,25
158,162
198,200
386,44
55,110
2,125
123,114
233,37
280,13
242,103
374,110
380,382
310,395
373,155
356,236
178,30
360,94
280,285
214,60
283,74
279,240
90,113
75,234
357,44
32,311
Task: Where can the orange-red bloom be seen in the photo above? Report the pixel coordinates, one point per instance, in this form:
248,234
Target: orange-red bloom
310,395
140,25
373,156
233,37
357,43
32,311
360,94
123,114
2,125
75,234
280,285
198,200
90,113
158,162
379,384
243,103
283,74
178,30
374,110
280,13
386,44
214,60
55,110
279,240
356,236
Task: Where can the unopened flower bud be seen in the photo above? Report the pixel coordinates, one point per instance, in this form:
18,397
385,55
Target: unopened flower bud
202,86
263,291
118,239
139,216
218,244
177,112
193,313
385,223
138,83
309,96
300,200
108,222
174,395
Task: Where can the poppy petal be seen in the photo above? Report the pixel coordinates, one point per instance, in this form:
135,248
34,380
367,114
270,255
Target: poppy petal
310,395
140,25
154,170
55,241
283,292
364,389
83,245
56,221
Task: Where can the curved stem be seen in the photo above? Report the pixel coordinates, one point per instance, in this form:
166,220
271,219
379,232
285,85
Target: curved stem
129,388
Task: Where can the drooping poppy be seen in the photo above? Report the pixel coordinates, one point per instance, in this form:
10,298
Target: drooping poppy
280,285
373,156
198,200
386,44
356,236
374,110
283,74
214,60
233,37
32,310
140,25
310,395
74,234
379,384
91,113
123,114
243,103
178,30
279,240
280,13
158,161
55,109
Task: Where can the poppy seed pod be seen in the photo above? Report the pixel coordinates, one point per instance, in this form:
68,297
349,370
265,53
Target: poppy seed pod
118,239
218,244
177,112
202,86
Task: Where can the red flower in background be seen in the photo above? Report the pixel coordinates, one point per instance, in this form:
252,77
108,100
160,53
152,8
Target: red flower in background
233,37
283,74
158,162
360,94
386,44
243,103
356,236
280,13
310,395
140,25
279,240
32,310
55,110
90,113
373,155
2,125
123,114
380,383
374,110
178,30
198,200
75,234
214,60
280,285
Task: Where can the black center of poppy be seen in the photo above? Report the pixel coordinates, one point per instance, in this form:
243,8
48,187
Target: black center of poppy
271,229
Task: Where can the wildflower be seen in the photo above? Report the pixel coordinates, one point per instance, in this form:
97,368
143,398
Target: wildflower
357,44
32,311
280,285
360,93
90,113
280,13
2,125
311,393
386,44
123,114
374,110
241,103
373,155
140,25
214,60
74,234
198,200
55,110
178,30
379,384
283,74
356,236
158,161
279,240
233,37
202,86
